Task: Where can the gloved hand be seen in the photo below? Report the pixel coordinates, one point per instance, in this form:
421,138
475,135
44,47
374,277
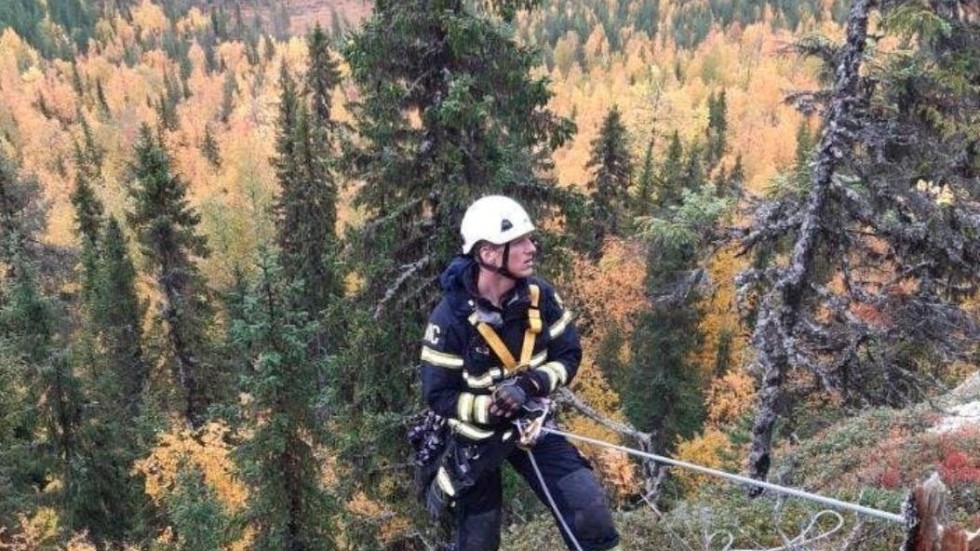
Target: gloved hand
511,395
508,399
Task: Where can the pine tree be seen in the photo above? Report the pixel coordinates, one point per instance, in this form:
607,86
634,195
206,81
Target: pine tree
448,112
716,132
307,207
210,148
670,182
228,92
287,504
663,389
642,204
612,171
107,501
44,417
166,229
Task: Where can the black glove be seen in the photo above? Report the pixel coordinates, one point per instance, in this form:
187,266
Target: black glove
508,399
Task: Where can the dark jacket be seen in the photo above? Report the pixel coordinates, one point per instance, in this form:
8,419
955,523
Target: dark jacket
460,370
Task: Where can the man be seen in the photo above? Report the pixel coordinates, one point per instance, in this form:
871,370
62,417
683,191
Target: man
497,345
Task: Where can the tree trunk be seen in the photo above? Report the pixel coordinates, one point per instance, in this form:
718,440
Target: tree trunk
773,337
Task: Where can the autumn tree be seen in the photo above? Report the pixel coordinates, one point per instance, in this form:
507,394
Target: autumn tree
166,230
447,112
878,247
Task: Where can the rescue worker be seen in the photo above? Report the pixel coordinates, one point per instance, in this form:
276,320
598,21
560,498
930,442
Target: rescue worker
497,345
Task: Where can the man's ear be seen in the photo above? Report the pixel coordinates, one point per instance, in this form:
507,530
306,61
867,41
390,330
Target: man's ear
486,252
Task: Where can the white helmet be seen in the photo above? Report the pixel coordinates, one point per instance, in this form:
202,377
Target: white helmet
496,219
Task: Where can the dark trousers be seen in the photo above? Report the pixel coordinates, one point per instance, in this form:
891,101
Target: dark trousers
572,485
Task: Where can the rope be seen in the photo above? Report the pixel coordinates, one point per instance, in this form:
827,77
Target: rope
835,503
551,500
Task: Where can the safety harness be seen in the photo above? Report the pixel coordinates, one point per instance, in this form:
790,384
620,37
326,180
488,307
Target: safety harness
534,327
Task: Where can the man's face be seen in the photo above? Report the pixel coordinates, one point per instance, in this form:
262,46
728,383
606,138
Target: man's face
520,262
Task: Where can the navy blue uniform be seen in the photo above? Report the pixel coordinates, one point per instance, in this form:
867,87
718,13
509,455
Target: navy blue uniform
459,373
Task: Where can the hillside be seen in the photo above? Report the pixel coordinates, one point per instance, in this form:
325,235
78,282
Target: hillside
873,459
310,185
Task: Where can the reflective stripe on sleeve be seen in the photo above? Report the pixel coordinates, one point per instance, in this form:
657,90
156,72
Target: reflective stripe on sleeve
469,431
471,408
464,406
481,409
556,372
483,381
441,359
559,326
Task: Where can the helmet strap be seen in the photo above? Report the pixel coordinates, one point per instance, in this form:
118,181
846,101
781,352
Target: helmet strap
502,269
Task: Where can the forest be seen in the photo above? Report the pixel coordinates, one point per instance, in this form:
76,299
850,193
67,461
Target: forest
222,226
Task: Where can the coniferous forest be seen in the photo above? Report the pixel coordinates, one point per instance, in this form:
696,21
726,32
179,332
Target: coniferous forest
222,226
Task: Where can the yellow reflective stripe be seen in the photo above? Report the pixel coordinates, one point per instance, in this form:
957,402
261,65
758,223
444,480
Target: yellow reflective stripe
469,431
442,479
538,359
559,326
441,359
556,372
483,381
481,409
464,406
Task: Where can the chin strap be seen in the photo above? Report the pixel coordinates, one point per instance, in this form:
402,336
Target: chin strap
502,269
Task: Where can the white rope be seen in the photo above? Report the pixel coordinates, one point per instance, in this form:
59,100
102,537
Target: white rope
551,501
835,503
801,540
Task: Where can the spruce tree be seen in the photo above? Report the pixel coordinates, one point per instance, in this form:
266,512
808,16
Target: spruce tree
166,230
44,423
448,112
307,206
643,202
670,183
878,248
717,129
663,389
287,505
612,171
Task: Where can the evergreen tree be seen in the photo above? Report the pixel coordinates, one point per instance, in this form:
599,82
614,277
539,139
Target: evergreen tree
663,389
670,177
210,148
228,91
307,206
287,505
612,171
166,229
45,415
642,204
716,132
878,248
448,112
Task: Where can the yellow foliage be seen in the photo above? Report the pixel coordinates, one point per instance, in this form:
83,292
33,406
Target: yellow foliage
710,449
393,527
730,397
206,449
36,533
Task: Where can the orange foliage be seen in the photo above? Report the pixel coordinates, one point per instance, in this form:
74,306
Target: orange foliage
710,449
206,449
